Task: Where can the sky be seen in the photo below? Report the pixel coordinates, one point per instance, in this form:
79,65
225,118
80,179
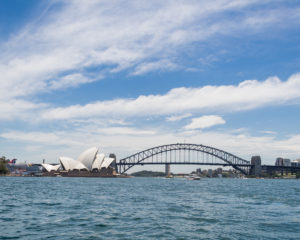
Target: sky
125,76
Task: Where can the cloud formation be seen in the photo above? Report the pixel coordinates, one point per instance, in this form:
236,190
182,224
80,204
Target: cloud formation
111,36
205,122
178,117
250,94
79,42
59,143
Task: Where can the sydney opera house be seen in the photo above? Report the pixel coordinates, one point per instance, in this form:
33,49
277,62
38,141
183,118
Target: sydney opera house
90,163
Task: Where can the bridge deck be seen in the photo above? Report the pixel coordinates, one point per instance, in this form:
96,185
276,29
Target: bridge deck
184,163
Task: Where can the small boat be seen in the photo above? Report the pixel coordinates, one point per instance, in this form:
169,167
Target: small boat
193,177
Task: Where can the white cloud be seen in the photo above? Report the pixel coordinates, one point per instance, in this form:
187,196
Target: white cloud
58,51
55,138
57,143
117,35
124,131
72,80
161,65
250,94
205,122
178,102
269,132
15,109
178,117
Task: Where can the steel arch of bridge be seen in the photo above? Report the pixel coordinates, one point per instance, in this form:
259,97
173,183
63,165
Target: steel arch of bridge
228,159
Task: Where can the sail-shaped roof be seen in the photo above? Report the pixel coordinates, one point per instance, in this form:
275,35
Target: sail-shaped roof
80,166
106,162
88,160
88,157
68,163
98,161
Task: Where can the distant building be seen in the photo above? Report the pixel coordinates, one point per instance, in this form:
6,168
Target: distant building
285,162
24,169
34,169
198,171
89,160
295,163
210,172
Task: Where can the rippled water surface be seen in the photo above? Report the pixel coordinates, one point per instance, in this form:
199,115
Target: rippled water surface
149,208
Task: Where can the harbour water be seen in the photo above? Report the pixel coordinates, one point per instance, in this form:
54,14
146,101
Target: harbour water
149,208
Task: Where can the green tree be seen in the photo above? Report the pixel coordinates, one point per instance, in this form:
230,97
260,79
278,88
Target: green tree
3,167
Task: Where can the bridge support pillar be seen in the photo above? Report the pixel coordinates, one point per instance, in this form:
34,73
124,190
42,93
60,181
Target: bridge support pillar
114,162
168,170
256,166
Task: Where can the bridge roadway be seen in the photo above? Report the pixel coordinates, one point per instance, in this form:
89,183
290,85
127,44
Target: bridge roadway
188,154
187,163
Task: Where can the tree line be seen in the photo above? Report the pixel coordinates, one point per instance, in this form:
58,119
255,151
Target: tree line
3,165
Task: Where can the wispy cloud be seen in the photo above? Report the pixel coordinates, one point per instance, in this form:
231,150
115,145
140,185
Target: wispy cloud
72,80
16,109
178,117
70,143
140,37
269,132
250,94
161,65
59,50
205,122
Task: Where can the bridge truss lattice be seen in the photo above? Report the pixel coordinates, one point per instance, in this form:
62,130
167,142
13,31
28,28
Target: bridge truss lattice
184,153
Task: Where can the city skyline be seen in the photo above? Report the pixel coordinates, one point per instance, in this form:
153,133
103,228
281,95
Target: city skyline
129,76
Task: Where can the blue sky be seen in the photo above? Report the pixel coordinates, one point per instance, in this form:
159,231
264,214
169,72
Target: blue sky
128,75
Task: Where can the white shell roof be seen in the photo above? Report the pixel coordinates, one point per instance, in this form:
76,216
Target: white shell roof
107,161
89,160
98,161
68,163
88,157
50,167
80,166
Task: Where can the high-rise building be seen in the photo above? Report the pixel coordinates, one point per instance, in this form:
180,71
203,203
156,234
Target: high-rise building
283,162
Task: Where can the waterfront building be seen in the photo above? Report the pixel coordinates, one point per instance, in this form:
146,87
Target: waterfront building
89,161
22,169
287,162
210,172
295,163
283,162
34,169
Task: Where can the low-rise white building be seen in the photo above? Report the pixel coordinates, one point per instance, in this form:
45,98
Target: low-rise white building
89,160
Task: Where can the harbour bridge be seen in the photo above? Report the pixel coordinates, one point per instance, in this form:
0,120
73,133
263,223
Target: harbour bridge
197,154
184,154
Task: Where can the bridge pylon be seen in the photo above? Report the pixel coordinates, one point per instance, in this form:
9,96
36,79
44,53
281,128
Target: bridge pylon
168,170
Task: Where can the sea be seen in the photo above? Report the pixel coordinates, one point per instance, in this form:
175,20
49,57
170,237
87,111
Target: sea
148,208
